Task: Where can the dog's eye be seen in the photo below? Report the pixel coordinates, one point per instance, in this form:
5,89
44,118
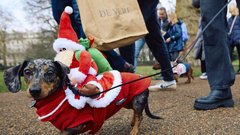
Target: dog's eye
27,72
50,72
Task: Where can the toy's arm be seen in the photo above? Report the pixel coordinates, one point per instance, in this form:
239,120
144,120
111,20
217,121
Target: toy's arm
85,62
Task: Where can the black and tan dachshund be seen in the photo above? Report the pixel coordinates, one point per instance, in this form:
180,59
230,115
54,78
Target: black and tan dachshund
46,78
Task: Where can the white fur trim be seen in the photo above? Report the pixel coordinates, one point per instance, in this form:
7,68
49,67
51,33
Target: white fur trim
68,10
76,103
92,71
52,112
68,44
110,95
76,75
99,76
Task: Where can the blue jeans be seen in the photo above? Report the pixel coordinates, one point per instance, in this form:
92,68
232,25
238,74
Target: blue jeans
154,39
138,47
218,63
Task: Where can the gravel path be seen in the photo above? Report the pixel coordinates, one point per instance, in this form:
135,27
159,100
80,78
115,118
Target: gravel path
176,107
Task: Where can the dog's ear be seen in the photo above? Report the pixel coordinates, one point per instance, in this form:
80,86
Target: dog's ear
12,77
62,70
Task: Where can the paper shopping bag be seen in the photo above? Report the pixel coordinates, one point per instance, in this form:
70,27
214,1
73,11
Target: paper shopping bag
112,23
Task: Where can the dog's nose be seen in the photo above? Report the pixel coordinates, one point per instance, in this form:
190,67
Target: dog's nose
35,92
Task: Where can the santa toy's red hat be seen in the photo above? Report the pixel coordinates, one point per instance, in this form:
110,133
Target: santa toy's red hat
67,37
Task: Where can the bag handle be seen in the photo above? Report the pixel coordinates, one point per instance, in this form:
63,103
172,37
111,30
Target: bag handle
234,20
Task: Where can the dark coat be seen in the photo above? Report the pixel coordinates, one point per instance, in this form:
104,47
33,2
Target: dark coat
234,37
175,33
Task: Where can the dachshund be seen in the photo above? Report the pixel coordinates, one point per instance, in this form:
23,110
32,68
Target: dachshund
181,69
46,81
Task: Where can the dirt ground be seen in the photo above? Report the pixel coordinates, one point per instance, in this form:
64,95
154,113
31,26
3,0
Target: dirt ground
176,107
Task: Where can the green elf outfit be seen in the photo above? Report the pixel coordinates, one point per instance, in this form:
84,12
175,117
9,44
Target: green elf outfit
97,56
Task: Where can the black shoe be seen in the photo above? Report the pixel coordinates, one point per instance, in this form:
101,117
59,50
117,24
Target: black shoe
128,68
216,99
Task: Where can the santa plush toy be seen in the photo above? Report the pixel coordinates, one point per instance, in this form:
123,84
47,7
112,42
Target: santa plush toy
71,53
83,69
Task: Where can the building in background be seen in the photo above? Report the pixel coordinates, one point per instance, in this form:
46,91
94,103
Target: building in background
18,45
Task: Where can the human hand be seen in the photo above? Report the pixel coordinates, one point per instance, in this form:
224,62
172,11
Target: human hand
168,40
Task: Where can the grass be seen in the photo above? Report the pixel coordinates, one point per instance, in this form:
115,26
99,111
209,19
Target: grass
147,70
143,70
3,87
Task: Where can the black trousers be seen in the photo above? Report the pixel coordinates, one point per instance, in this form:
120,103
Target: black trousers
218,63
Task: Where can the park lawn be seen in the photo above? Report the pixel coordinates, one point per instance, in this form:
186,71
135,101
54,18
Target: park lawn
3,87
147,70
142,70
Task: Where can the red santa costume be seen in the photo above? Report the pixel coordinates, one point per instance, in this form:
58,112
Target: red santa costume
59,110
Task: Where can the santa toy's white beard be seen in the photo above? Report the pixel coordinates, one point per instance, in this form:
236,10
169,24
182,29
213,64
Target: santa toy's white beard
65,57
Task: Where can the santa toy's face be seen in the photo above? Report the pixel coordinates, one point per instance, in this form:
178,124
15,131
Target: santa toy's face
65,56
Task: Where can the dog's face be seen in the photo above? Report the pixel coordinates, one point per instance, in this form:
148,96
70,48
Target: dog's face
42,77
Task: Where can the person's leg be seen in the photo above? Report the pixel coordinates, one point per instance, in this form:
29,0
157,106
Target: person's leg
138,47
77,24
218,64
58,7
157,46
127,53
117,62
203,66
203,70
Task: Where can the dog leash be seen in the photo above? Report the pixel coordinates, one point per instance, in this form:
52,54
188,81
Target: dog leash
180,58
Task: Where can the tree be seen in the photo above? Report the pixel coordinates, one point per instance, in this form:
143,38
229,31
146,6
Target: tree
5,20
41,45
188,14
41,13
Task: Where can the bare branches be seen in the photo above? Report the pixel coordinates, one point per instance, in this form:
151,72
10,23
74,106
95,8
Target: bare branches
41,13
